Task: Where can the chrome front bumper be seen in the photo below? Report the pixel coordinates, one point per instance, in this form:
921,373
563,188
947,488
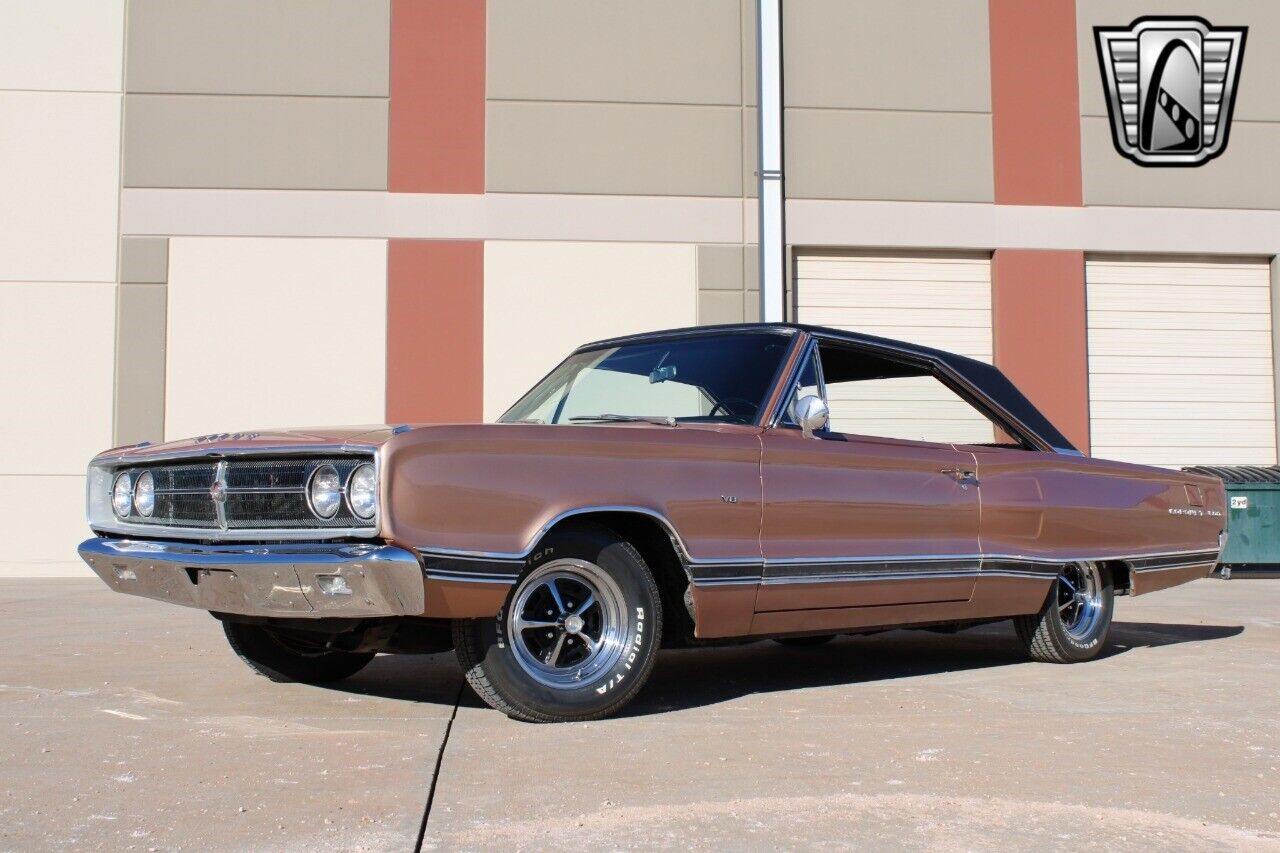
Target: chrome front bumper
300,581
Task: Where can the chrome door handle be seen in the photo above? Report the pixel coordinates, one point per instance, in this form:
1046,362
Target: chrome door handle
964,478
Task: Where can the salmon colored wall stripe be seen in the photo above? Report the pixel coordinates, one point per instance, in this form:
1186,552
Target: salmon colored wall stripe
437,96
435,289
1040,324
1041,340
1035,102
435,331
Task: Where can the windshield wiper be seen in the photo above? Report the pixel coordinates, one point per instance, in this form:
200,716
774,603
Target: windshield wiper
610,418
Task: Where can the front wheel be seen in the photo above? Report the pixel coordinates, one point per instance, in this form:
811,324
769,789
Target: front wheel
577,636
280,656
1075,621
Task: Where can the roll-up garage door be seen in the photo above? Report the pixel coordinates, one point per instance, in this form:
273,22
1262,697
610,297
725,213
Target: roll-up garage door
937,300
1180,363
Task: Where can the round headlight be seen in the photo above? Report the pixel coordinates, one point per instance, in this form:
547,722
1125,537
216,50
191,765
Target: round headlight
144,494
324,492
122,494
362,492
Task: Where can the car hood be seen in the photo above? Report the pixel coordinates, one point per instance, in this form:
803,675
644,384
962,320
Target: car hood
266,440
369,437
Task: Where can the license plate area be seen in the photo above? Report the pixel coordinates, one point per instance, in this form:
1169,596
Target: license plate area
229,591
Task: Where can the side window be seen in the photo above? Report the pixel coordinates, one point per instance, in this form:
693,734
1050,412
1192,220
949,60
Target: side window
873,396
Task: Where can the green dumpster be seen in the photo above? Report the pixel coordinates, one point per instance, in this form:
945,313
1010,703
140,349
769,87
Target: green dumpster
1253,518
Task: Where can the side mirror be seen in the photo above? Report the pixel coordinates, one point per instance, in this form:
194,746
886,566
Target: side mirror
812,414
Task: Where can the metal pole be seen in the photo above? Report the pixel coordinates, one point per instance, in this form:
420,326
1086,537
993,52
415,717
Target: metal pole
773,240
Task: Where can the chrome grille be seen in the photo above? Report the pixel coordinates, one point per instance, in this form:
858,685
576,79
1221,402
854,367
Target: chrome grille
258,494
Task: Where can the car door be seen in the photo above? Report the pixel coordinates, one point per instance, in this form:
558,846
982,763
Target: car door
855,520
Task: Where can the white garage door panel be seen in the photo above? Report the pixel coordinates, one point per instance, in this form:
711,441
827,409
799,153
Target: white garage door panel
923,294
1213,433
1108,410
1180,364
1177,321
928,269
1160,365
1189,342
1137,297
1174,456
1205,388
934,301
1164,274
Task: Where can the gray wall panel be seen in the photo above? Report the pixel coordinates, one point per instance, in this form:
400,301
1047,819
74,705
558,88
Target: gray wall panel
663,51
625,149
853,154
720,268
720,306
140,363
255,142
277,47
144,259
1243,177
887,54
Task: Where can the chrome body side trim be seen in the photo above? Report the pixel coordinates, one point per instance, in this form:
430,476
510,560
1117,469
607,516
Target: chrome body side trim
520,556
933,566
263,580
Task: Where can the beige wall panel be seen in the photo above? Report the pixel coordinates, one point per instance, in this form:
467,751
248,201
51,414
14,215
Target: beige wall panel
255,143
1177,377
849,154
1237,179
66,45
625,149
1258,99
59,187
48,540
140,364
886,54
279,47
658,51
274,333
57,343
541,300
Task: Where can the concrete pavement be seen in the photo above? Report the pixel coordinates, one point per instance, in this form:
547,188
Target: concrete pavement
127,723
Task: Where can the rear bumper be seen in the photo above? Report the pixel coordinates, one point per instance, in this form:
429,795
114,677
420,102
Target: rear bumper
299,581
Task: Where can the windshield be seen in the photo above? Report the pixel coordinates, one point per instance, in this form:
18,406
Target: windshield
711,378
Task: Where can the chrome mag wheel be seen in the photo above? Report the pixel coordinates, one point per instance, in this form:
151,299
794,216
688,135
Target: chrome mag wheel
567,623
1080,599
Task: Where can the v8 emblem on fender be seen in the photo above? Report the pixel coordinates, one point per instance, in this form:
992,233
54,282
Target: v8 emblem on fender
729,499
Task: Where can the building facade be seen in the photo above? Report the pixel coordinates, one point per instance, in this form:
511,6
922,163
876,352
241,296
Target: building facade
253,213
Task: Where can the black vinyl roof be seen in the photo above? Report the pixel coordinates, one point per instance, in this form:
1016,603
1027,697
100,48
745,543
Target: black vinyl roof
982,381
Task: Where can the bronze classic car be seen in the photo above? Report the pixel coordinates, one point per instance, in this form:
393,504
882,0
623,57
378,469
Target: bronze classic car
760,481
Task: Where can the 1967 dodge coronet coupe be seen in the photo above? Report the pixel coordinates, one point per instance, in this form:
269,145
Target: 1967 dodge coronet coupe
775,481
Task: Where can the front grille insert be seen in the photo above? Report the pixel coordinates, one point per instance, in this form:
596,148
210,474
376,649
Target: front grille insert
258,494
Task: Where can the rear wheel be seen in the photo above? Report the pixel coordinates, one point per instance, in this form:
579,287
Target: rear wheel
577,637
281,657
1075,621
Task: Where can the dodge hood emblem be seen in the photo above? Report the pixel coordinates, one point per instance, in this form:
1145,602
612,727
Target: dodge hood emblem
218,492
1170,85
